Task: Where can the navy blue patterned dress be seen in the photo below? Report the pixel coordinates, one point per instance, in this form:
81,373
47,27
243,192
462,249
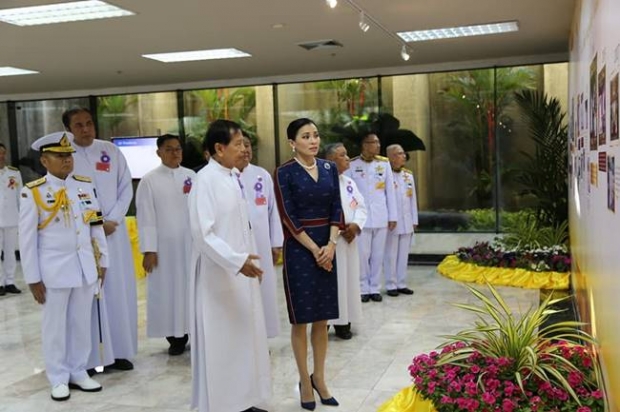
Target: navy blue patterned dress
305,205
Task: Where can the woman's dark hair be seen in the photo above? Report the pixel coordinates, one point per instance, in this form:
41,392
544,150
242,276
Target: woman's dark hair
164,138
220,131
68,114
295,125
2,146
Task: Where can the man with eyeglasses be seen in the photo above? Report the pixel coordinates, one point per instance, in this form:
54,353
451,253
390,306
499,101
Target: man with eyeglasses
373,176
163,220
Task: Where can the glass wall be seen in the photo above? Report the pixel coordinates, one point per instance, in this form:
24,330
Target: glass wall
36,119
334,105
475,141
251,107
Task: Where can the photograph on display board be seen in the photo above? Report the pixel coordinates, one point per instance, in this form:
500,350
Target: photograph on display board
583,110
602,108
593,112
613,109
594,174
611,183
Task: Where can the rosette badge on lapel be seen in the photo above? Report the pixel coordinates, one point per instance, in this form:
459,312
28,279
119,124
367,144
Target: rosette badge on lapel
259,197
187,185
104,164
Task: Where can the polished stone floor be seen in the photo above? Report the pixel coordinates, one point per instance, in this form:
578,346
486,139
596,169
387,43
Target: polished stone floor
362,373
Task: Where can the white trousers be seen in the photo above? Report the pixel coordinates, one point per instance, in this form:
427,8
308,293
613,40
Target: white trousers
66,333
8,242
396,258
371,247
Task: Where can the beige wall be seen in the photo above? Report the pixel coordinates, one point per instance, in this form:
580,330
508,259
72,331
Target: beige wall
594,226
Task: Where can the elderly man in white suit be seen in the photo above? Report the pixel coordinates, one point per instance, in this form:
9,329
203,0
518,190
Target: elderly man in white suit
347,252
230,356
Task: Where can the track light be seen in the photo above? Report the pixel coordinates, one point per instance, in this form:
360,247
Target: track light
332,3
364,26
404,53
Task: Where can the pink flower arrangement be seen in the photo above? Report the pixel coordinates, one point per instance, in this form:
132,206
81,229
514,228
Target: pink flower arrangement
486,384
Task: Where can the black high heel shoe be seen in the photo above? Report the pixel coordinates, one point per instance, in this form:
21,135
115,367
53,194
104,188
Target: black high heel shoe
310,406
329,401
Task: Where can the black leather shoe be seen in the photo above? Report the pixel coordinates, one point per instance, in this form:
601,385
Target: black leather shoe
12,289
120,365
365,298
405,291
2,291
392,292
375,297
343,331
328,401
254,409
91,372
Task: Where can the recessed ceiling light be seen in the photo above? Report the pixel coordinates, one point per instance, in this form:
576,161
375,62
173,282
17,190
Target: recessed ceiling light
462,31
278,26
61,13
195,55
13,71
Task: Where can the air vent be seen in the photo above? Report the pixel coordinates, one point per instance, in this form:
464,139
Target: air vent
320,44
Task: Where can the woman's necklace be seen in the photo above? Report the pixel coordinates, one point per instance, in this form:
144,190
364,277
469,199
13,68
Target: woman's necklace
304,166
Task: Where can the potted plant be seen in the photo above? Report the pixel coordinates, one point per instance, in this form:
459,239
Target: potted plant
509,363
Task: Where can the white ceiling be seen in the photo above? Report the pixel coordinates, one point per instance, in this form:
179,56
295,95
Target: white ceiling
104,54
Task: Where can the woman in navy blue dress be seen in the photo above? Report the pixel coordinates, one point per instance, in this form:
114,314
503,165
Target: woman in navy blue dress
308,195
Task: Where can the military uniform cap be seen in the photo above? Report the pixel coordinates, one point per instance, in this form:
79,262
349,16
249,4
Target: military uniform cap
59,142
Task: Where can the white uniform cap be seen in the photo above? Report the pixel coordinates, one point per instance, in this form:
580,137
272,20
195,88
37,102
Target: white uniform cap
59,142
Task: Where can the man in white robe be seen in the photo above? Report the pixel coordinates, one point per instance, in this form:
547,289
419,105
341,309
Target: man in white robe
267,229
10,185
347,252
103,162
399,240
230,357
163,222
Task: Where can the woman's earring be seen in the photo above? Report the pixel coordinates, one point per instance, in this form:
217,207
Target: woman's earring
293,149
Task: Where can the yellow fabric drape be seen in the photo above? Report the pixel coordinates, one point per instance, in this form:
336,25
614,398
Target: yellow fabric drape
132,228
407,400
453,268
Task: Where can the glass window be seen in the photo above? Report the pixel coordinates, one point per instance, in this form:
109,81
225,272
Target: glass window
148,114
251,107
36,119
330,104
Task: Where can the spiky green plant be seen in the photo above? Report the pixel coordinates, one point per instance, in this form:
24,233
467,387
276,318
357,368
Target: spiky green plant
527,340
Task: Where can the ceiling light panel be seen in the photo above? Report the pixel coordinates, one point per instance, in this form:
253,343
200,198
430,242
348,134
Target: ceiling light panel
189,56
462,31
62,13
13,71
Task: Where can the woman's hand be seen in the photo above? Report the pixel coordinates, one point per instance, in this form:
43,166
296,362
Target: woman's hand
325,256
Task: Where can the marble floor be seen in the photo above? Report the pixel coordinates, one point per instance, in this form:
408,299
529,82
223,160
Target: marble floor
362,373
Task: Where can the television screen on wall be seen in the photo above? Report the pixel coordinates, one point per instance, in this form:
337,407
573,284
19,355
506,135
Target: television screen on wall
140,153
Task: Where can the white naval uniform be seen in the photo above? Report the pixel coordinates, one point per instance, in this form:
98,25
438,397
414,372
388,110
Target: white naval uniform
61,256
10,185
347,255
399,240
163,222
106,165
267,229
375,182
230,356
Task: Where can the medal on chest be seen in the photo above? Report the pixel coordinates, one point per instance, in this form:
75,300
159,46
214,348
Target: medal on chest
360,170
104,162
187,185
259,195
12,183
352,201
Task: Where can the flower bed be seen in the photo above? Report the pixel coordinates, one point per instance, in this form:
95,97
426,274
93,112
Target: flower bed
484,384
548,259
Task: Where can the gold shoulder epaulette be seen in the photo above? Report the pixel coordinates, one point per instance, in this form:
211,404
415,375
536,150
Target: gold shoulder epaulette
36,183
80,178
385,159
13,168
407,170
